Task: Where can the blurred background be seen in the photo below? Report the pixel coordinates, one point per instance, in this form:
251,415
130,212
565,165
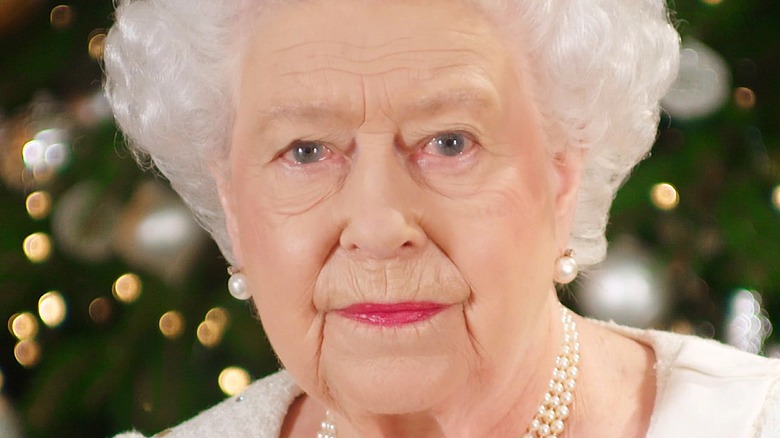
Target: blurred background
117,311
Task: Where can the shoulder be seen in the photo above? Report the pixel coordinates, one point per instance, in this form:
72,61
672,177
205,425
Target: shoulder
709,387
691,357
258,411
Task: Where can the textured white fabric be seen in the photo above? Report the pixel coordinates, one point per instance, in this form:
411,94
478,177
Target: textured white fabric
258,412
707,389
704,390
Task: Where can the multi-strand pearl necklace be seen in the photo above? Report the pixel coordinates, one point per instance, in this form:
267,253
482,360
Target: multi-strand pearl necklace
549,420
327,428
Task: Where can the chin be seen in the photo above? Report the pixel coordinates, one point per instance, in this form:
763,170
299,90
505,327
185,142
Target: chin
397,370
394,386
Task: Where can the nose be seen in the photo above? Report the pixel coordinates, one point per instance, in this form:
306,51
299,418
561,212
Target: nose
380,206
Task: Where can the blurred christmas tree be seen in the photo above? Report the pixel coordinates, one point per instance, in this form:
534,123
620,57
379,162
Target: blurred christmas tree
116,306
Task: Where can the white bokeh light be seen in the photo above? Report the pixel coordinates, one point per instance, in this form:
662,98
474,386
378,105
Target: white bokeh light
48,150
168,228
747,325
625,288
702,85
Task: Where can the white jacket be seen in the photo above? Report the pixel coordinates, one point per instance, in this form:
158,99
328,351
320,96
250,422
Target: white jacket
704,390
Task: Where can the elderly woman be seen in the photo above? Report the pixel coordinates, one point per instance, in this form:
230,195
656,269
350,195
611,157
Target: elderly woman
399,185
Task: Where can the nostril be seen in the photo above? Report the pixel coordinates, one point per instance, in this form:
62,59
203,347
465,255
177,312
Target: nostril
380,233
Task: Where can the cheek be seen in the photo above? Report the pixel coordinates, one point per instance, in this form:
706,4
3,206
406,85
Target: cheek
498,240
283,233
283,256
502,240
507,226
278,245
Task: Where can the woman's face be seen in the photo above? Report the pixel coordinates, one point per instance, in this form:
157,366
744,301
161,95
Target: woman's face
392,201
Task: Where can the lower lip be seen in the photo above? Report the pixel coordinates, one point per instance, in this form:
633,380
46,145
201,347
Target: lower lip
391,315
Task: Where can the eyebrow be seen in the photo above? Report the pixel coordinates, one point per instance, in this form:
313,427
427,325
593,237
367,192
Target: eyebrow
312,111
321,111
442,100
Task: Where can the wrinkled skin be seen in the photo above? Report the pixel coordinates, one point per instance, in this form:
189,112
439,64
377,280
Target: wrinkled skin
388,152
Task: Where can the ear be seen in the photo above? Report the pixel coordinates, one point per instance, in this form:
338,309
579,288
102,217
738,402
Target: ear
228,202
567,166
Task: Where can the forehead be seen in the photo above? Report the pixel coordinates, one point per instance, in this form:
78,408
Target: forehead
324,51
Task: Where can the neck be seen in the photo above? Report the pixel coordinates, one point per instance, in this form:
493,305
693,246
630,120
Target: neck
502,402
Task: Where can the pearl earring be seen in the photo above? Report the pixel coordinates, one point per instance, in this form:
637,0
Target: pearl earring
566,268
237,284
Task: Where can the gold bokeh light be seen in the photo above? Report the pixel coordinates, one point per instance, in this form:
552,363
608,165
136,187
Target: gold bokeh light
172,324
61,16
27,353
664,196
97,43
23,326
233,380
127,288
209,334
744,98
11,323
38,204
100,310
37,247
776,197
52,308
219,317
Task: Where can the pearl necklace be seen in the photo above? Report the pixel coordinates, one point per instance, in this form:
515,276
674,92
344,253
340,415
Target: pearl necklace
327,428
552,413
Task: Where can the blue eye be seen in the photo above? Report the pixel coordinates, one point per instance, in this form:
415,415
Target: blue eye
449,144
306,152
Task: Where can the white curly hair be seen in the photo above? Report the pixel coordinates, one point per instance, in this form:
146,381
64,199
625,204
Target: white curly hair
600,68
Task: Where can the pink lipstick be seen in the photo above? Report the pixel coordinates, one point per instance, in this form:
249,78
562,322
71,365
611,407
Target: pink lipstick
391,315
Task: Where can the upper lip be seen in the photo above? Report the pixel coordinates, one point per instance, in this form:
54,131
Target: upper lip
406,306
